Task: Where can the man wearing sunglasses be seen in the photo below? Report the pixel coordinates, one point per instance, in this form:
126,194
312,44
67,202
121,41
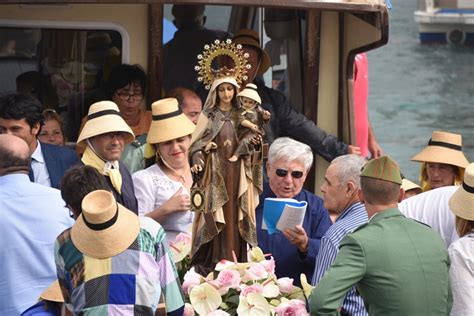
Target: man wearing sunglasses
294,249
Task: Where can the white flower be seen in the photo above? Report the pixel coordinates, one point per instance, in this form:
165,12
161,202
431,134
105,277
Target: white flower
191,279
253,305
255,254
248,66
218,313
246,55
199,56
271,290
307,288
228,41
217,42
205,299
197,68
239,46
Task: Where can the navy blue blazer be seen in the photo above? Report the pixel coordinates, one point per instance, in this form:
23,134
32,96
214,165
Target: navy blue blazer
58,160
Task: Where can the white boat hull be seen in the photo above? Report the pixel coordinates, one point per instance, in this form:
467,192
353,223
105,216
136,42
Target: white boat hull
443,25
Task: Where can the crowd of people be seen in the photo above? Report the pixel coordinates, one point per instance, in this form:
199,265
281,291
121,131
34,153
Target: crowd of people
89,232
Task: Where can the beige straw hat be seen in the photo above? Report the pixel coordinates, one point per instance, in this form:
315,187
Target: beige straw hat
105,228
250,92
169,122
462,201
409,185
104,117
53,293
443,147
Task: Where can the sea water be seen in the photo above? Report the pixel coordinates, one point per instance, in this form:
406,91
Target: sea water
416,89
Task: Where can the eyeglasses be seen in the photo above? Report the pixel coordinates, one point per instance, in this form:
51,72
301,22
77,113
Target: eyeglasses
124,96
295,174
112,135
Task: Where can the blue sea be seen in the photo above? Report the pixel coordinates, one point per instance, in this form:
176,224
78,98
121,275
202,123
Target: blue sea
416,89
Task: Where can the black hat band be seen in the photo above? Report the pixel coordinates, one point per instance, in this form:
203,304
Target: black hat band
167,115
101,226
444,144
102,113
467,187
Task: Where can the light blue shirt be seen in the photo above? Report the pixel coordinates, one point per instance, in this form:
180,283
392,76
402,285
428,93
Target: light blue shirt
31,217
347,222
38,165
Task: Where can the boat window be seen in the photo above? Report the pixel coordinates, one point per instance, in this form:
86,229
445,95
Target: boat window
61,67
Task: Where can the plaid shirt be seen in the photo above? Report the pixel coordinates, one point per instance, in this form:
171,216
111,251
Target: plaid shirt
129,283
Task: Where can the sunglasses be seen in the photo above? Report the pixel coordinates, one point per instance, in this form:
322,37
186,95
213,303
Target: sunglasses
295,174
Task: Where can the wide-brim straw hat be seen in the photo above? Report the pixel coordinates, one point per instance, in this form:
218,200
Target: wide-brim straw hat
462,201
408,185
105,228
104,117
250,92
53,293
443,147
169,122
251,38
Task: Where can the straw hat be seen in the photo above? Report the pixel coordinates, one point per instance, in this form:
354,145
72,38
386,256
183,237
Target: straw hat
408,185
105,228
462,201
169,122
250,92
53,293
104,117
444,148
251,38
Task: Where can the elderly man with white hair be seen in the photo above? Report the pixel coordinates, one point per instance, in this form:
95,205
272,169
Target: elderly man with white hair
340,193
293,249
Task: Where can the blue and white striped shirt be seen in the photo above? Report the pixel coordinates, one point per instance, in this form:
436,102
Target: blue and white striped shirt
346,223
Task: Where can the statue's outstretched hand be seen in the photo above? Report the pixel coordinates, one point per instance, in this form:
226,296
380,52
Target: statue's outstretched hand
197,162
209,147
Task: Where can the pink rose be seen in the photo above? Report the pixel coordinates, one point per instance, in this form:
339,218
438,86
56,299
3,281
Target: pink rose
269,265
291,308
255,272
188,310
229,278
285,285
191,279
254,288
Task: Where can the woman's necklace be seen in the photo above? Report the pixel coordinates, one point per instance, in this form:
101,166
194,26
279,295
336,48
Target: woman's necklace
179,176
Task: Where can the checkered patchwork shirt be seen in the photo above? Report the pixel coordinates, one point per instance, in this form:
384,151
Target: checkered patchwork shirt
129,283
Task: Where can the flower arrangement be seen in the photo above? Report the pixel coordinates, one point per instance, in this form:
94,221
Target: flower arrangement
249,288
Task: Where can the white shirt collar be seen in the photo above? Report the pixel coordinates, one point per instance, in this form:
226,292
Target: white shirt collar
38,153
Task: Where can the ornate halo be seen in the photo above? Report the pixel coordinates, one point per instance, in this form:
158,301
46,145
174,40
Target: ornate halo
207,75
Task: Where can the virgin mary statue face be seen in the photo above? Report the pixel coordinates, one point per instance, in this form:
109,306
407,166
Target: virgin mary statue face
225,93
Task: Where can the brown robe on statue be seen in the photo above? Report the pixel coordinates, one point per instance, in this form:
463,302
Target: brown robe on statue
231,194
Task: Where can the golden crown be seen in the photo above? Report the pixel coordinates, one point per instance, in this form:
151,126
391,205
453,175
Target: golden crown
222,48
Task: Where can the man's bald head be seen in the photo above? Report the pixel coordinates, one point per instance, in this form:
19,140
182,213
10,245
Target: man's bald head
14,155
